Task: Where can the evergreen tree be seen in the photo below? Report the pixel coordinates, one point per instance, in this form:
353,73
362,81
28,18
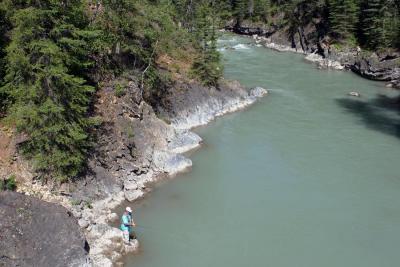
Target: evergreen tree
240,8
4,40
44,58
207,66
261,10
343,17
380,24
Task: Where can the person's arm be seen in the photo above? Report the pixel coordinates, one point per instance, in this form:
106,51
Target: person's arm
130,219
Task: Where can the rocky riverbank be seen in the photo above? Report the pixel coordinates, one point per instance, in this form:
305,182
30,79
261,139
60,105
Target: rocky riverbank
152,151
135,149
159,145
378,66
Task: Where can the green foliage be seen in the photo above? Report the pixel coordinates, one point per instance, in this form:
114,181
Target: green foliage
4,40
53,52
380,22
240,10
207,66
46,62
119,90
374,24
136,33
202,18
343,17
255,10
8,184
75,202
261,10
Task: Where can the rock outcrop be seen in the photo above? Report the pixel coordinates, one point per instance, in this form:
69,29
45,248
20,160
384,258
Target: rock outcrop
310,41
376,69
192,105
37,233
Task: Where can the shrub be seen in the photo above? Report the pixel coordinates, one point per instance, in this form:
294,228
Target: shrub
119,90
11,184
8,184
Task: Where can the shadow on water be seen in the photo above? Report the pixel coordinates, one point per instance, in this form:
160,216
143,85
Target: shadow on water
381,113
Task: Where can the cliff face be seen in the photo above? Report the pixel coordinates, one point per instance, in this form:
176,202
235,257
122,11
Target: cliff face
37,233
137,140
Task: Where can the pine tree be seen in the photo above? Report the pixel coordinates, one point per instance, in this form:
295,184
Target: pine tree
261,10
207,66
240,9
380,24
51,100
5,26
343,17
372,28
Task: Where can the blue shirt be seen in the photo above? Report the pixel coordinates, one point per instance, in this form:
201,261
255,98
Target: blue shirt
126,220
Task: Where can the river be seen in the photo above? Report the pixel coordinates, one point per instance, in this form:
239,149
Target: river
306,177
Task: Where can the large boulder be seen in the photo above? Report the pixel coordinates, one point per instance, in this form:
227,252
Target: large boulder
38,233
374,69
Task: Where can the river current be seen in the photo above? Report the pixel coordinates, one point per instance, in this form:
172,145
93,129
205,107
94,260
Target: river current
306,177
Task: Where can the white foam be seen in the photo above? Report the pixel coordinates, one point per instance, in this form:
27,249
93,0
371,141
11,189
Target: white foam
241,47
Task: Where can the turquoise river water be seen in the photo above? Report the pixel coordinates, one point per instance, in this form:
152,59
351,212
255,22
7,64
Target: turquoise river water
306,177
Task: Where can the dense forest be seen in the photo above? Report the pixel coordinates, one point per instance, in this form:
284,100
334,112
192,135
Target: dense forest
54,55
372,24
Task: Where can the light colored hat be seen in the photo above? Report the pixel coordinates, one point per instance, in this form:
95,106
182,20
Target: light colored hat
128,209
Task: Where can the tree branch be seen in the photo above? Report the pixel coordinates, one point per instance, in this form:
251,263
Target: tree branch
148,66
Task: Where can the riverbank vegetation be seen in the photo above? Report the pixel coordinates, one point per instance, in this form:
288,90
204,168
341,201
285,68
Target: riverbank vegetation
371,24
8,184
54,54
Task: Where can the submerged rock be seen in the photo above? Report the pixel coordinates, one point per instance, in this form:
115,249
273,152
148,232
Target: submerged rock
132,195
38,233
171,163
184,141
258,92
355,94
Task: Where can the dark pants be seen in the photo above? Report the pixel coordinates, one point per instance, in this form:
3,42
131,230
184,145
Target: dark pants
132,235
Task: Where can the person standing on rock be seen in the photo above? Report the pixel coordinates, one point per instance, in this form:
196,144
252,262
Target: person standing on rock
127,223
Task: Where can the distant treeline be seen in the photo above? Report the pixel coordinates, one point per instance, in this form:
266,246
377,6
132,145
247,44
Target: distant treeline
373,24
